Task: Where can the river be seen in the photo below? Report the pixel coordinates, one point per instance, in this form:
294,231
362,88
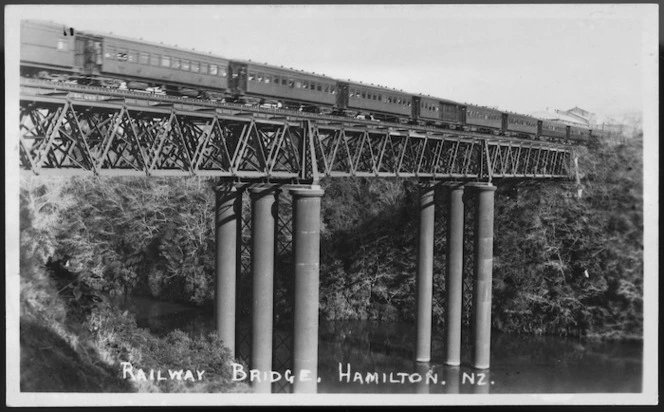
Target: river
383,352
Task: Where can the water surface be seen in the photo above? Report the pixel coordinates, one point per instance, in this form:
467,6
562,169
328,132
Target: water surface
384,353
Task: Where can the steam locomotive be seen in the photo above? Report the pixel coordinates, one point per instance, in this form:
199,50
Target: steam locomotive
54,52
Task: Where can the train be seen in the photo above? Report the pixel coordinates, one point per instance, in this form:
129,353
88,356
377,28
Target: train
58,53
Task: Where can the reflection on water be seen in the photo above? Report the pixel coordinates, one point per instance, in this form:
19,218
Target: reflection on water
373,357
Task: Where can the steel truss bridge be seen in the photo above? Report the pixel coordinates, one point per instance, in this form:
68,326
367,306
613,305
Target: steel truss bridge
67,128
74,129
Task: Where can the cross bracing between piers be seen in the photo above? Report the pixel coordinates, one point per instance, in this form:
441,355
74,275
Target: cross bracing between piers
75,129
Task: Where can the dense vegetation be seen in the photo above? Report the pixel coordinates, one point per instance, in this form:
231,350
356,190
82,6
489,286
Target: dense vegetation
562,264
72,338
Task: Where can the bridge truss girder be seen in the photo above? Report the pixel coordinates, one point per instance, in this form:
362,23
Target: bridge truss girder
61,135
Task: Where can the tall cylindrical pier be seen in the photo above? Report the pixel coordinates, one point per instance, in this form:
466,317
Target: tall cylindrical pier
306,250
454,275
484,199
263,216
424,278
227,221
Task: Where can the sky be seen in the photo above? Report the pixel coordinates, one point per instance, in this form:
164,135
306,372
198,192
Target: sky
520,58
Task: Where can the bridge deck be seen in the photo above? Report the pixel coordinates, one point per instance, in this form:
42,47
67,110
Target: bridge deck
73,129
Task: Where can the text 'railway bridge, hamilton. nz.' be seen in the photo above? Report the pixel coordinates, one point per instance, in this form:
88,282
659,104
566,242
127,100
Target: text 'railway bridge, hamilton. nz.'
73,129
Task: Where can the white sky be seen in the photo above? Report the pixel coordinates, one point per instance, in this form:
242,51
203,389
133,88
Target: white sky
521,58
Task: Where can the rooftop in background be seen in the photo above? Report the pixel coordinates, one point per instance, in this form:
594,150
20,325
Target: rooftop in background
561,116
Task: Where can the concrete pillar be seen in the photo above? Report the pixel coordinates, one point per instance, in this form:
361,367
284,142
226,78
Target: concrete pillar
452,377
454,275
263,215
227,222
481,321
423,386
424,279
306,250
482,383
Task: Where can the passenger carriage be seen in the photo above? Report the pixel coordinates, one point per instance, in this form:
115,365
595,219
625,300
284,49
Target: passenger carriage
579,134
483,119
46,47
280,85
553,130
520,125
380,102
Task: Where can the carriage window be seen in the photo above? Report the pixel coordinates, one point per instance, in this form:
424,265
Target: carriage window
319,87
223,72
110,53
380,97
298,84
333,90
195,67
122,55
204,68
154,60
185,65
291,84
305,85
62,45
277,80
252,76
259,77
213,69
285,81
143,58
132,56
165,61
176,63
327,89
268,78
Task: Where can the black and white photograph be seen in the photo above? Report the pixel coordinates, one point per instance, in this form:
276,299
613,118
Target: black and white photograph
349,204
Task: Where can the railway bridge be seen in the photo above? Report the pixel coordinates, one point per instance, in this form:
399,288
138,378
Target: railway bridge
78,130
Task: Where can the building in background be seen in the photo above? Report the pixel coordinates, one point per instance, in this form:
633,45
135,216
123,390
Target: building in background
617,128
564,116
